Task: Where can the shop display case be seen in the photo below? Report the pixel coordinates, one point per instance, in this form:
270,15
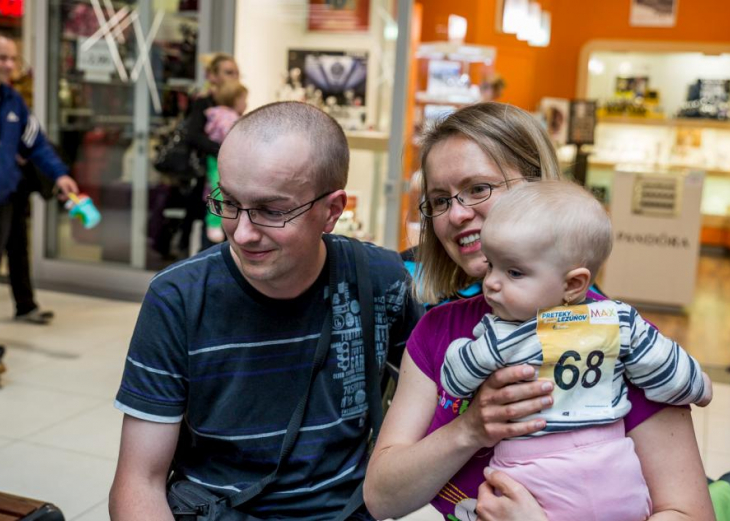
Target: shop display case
662,106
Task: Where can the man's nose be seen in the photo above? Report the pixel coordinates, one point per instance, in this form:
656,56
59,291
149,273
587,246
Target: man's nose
246,231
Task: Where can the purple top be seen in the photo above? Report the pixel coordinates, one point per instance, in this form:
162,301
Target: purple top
427,346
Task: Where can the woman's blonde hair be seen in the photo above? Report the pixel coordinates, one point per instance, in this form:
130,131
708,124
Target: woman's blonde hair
228,93
514,140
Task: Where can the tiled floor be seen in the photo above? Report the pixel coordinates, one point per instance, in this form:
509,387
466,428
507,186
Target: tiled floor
59,434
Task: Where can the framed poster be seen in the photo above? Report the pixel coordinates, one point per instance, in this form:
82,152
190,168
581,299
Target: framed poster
556,112
343,16
340,74
582,124
653,13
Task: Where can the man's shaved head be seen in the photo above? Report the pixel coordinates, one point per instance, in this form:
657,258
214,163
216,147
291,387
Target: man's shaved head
328,146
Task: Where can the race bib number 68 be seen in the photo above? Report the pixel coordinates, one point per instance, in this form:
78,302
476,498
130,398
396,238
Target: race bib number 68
580,346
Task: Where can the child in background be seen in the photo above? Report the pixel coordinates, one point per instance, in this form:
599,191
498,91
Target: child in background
230,98
544,243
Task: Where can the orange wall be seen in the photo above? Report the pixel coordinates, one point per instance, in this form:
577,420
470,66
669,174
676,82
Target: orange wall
516,61
576,22
532,73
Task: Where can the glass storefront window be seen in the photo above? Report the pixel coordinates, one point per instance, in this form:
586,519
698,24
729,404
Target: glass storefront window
120,74
108,110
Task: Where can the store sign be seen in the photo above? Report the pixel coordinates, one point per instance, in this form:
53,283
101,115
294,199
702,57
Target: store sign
97,62
11,7
654,239
339,15
656,244
656,196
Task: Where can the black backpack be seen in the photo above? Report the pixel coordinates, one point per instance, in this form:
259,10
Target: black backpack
175,157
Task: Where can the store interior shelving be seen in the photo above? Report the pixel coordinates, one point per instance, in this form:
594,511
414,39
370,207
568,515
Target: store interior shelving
664,78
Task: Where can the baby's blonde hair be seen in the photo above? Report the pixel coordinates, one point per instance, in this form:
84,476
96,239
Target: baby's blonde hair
570,221
228,93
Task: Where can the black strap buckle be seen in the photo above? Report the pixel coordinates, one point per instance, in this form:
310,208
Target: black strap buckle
192,513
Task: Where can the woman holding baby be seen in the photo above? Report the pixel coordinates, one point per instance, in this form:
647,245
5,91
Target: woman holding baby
436,448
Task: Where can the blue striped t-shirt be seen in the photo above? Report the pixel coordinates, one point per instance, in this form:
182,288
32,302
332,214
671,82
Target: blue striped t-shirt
231,364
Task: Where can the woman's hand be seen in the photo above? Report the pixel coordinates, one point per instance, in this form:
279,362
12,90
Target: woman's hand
507,395
513,503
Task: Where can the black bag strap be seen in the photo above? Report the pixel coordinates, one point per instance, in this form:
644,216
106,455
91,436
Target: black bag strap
292,430
372,374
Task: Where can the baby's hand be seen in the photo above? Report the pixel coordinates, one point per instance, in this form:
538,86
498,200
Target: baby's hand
707,397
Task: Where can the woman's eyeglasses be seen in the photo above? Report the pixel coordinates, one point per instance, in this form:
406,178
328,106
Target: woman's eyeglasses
469,196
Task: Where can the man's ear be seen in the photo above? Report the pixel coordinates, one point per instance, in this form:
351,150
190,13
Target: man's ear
335,203
577,282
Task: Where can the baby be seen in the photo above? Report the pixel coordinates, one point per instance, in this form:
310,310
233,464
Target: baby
544,243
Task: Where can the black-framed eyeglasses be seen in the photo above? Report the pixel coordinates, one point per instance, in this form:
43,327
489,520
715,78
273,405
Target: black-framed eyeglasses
258,216
469,196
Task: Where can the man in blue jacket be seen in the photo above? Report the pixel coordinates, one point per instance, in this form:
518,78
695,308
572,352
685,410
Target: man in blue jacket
21,136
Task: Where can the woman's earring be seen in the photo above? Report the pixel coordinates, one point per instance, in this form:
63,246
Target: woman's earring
566,302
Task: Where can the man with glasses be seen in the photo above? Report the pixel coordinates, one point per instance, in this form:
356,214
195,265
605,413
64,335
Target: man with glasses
224,342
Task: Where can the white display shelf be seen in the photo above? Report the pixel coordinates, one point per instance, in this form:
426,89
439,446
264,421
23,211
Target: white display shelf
665,122
457,52
672,166
425,98
367,140
659,143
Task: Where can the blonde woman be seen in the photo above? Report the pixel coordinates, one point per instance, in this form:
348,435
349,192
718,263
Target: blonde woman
434,447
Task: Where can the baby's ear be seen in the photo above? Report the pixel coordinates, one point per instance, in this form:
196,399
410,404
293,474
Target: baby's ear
577,282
